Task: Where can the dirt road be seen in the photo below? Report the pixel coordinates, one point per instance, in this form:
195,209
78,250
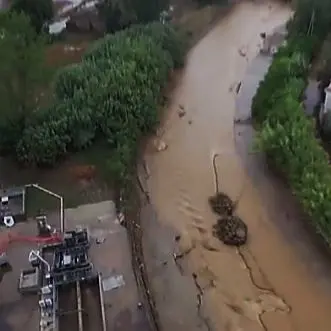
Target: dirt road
271,284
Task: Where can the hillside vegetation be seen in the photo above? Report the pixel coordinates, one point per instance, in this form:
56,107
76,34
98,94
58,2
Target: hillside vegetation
285,133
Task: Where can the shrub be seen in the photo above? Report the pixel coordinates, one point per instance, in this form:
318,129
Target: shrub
22,73
120,14
286,134
283,69
39,11
114,93
164,35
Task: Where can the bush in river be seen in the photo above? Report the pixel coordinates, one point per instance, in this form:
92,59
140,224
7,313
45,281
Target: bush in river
115,93
287,135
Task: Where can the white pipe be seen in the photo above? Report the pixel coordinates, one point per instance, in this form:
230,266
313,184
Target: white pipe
102,303
79,306
37,186
35,253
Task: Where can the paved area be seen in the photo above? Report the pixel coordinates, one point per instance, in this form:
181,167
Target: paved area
312,97
110,253
257,69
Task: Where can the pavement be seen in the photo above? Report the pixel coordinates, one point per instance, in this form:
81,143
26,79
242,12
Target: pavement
110,253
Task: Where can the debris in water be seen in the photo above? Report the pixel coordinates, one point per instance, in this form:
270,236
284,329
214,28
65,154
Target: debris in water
247,120
242,51
231,230
238,87
263,35
160,145
181,113
221,204
100,240
177,237
190,122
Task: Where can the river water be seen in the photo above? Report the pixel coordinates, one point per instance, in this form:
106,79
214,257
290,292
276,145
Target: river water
275,282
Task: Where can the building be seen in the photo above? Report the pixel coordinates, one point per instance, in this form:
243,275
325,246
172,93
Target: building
67,277
13,205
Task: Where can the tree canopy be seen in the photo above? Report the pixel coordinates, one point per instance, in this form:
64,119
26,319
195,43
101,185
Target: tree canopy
39,11
21,70
119,14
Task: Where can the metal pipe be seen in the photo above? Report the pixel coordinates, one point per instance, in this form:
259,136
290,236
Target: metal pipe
24,197
37,186
102,303
37,255
79,306
55,307
62,214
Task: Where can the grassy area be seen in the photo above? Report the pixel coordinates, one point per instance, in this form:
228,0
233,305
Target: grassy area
82,178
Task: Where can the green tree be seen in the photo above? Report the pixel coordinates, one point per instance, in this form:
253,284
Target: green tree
150,10
39,11
119,14
312,18
21,72
116,14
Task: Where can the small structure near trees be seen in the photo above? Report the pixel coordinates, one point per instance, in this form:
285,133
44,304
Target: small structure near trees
12,208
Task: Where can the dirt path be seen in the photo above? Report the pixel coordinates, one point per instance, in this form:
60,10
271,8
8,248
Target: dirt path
268,285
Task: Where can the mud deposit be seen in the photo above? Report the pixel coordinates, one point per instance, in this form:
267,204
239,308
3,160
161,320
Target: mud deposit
199,283
229,228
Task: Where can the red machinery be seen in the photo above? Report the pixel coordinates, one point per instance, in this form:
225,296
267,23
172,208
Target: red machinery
11,237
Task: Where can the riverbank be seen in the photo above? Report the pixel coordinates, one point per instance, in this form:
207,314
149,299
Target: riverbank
269,284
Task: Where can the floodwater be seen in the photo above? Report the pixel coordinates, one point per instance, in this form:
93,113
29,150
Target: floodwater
273,283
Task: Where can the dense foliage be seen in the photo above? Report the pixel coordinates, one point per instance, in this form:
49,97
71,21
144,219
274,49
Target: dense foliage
286,134
114,93
39,11
119,14
211,2
21,73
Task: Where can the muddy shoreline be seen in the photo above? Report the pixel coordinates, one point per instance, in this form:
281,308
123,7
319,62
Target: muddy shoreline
134,231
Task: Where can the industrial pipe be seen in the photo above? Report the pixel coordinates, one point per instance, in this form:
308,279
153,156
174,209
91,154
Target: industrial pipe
38,187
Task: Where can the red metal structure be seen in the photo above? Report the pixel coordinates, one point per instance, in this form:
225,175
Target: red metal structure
11,237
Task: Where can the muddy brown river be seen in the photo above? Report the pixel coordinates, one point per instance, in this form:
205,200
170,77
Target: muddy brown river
278,281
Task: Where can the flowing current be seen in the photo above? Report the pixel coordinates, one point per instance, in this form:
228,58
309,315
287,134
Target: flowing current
274,282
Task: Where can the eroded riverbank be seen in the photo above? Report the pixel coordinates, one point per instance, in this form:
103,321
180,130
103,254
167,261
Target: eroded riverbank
269,284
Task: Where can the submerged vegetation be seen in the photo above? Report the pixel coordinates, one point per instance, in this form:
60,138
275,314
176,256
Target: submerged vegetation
285,133
229,228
